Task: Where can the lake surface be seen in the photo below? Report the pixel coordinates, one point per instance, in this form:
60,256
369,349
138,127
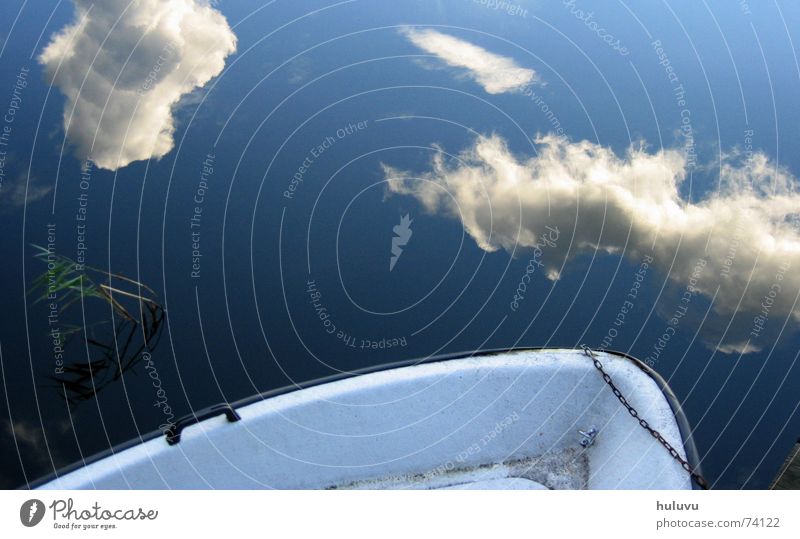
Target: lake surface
266,233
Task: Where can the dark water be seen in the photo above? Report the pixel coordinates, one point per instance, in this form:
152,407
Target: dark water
249,319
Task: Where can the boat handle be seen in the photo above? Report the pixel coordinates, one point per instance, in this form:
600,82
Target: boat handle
173,434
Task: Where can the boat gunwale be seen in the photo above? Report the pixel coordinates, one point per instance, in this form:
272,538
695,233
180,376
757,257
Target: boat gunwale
687,439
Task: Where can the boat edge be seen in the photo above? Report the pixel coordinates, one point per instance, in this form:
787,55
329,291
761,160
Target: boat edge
692,455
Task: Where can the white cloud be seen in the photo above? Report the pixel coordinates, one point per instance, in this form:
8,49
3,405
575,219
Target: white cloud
30,438
118,54
497,74
629,205
23,191
739,347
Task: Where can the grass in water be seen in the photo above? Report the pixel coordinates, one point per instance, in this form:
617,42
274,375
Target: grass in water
112,347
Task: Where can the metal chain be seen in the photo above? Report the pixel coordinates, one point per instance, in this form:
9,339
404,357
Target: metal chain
699,479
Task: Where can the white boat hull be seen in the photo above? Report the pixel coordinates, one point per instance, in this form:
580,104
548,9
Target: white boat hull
500,420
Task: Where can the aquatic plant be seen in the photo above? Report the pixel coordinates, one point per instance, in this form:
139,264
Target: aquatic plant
137,318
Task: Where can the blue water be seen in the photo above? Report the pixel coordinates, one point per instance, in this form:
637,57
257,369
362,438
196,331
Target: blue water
247,324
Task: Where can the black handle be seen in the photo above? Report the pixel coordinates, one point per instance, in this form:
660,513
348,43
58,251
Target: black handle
174,432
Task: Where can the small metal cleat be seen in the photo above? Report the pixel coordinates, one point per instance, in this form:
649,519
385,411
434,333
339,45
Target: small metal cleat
588,436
